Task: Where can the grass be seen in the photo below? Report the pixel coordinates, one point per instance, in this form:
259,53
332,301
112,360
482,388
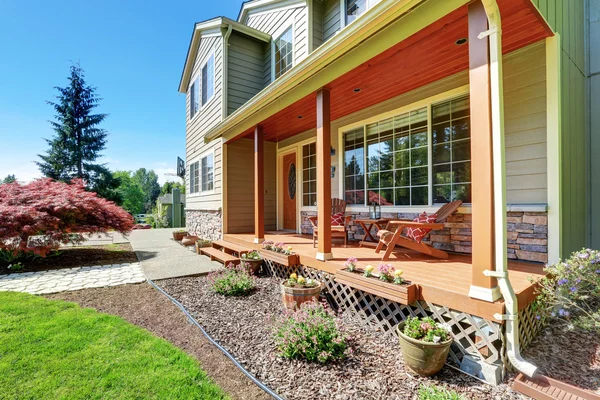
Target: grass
55,349
437,393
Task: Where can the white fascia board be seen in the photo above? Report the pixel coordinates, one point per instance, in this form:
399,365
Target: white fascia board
261,6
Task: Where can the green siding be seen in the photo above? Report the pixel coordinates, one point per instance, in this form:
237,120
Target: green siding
245,70
568,19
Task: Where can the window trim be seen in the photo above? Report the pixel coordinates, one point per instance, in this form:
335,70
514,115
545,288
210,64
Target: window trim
301,174
194,80
344,9
198,76
189,189
427,102
279,34
204,155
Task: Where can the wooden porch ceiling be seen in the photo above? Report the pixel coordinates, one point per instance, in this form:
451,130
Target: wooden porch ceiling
423,58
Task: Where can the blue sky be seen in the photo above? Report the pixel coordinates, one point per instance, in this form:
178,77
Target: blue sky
132,51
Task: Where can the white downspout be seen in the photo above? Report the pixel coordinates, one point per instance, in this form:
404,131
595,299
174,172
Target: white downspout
497,99
225,85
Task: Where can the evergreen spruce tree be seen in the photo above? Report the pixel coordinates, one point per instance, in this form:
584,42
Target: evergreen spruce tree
78,139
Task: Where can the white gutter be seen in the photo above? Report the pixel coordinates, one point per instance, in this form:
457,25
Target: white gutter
501,273
225,88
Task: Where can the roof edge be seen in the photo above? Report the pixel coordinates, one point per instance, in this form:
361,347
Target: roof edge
247,6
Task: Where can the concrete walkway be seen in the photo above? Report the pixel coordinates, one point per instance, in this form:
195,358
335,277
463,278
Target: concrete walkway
60,280
161,257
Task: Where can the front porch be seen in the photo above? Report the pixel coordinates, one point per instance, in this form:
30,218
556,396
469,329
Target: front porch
442,282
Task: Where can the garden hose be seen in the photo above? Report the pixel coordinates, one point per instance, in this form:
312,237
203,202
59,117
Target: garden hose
217,345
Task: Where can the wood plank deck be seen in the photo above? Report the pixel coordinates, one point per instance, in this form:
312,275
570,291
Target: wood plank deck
442,282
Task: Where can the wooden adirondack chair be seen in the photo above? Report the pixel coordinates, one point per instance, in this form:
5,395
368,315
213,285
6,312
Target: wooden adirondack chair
392,238
337,231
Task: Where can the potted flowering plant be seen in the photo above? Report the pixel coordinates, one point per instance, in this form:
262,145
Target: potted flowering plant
179,234
279,253
424,343
252,261
297,290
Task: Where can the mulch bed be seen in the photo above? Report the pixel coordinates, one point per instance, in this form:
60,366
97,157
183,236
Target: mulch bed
144,306
571,356
375,371
79,257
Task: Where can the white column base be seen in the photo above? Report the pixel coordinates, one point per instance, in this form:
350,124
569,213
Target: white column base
259,240
324,256
485,294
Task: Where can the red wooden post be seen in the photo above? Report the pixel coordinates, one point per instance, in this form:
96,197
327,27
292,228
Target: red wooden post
324,175
259,185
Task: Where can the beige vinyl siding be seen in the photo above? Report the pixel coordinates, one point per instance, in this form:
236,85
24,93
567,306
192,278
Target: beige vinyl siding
240,186
208,116
568,19
245,69
525,129
331,19
318,17
277,21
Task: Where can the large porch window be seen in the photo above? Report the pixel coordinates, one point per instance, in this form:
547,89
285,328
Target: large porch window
309,174
411,159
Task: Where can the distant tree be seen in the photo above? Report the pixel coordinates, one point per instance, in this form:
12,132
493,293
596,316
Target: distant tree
130,192
39,216
168,187
9,179
78,140
148,181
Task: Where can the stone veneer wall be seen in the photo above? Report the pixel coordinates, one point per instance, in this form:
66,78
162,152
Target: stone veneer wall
527,233
205,224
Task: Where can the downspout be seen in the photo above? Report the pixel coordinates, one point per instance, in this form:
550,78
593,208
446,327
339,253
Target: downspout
224,110
225,72
501,273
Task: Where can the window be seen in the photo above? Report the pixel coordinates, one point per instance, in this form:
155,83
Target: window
309,174
451,142
194,178
208,79
387,162
354,8
207,172
283,53
194,98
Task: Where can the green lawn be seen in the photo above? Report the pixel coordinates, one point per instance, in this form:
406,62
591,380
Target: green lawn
57,350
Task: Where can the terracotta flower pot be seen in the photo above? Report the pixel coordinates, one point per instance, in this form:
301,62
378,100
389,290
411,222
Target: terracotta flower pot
293,297
253,266
179,235
189,240
422,358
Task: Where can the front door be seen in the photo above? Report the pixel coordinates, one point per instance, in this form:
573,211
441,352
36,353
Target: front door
289,191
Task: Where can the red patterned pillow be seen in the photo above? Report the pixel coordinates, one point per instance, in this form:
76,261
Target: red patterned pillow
337,219
417,234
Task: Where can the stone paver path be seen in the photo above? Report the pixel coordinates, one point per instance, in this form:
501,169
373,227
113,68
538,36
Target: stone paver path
61,280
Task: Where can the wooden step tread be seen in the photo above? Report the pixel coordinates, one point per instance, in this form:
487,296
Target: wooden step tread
230,247
216,254
543,388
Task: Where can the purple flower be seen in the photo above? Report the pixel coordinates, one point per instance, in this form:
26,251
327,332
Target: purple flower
561,312
538,317
562,281
573,289
583,256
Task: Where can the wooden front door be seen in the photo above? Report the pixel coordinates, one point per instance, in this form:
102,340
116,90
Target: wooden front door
289,191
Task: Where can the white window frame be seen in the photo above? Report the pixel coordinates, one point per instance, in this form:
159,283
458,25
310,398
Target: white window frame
205,64
343,10
198,77
301,157
191,181
277,36
193,114
210,152
428,102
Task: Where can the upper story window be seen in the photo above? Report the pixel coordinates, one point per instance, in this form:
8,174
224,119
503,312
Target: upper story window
354,8
208,79
397,162
283,48
203,86
194,98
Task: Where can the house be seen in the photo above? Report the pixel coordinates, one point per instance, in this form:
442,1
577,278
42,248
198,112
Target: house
173,206
412,103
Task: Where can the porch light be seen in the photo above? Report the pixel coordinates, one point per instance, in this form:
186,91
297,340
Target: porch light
356,90
375,211
461,41
300,117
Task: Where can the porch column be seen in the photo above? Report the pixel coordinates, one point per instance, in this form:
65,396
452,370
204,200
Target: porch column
259,185
323,175
482,287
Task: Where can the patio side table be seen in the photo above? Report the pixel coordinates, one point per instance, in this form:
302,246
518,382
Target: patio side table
368,224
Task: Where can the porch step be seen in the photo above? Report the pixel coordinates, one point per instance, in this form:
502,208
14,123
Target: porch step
543,388
229,248
216,254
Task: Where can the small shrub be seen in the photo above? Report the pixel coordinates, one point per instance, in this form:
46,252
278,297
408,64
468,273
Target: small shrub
426,329
571,291
311,333
432,392
16,267
232,281
299,281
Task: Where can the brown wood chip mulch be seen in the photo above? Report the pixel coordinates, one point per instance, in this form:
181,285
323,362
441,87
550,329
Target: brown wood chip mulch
375,371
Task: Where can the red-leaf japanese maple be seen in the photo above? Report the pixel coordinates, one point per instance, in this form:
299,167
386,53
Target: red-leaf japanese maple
37,217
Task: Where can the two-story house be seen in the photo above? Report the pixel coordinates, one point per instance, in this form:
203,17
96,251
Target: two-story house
406,103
